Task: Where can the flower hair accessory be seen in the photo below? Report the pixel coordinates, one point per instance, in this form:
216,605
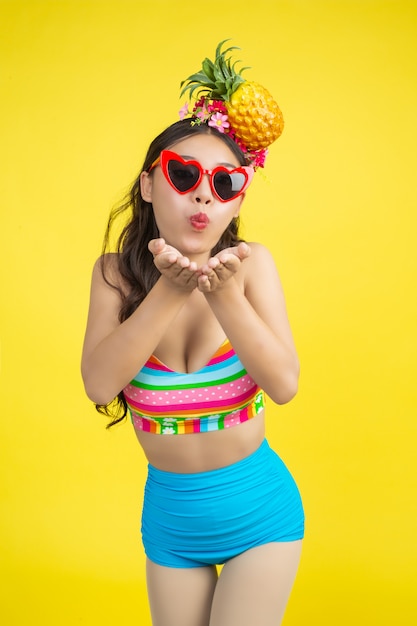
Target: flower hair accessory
242,109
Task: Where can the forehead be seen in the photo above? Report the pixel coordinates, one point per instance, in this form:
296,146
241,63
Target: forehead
209,150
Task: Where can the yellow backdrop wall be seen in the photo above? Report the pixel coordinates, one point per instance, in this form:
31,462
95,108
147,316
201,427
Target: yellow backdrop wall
85,85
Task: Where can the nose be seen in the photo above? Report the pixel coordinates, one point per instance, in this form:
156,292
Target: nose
203,193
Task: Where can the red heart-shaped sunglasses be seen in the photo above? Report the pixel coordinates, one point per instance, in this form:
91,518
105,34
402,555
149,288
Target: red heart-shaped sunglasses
184,176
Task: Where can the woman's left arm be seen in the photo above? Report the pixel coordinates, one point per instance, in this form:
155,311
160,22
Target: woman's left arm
255,321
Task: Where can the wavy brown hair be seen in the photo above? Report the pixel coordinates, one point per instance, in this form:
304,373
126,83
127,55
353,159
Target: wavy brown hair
135,264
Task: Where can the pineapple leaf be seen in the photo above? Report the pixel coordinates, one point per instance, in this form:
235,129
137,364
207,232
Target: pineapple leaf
216,79
208,69
229,50
218,74
191,89
200,77
225,71
199,89
194,81
238,80
220,87
229,85
220,53
219,47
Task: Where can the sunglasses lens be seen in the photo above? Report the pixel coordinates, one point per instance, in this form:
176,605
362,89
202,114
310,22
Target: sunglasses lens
228,184
183,177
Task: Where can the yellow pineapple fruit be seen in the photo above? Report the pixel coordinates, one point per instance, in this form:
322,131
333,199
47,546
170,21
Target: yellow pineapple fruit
254,115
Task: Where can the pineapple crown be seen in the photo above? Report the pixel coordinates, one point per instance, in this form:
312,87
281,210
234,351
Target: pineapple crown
217,79
214,86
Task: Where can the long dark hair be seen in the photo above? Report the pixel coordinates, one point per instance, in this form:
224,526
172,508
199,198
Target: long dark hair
135,265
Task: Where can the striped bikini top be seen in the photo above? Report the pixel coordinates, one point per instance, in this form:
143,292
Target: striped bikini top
219,395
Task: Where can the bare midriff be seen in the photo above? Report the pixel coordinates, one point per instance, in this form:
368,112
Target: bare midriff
202,452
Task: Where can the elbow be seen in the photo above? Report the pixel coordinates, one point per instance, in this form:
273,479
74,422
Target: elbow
98,397
286,388
96,392
286,393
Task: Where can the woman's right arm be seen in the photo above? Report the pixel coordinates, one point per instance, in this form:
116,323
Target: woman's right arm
114,352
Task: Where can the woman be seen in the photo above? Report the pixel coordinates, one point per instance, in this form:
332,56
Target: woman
188,327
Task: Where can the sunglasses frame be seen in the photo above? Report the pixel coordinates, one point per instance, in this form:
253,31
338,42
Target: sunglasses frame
167,155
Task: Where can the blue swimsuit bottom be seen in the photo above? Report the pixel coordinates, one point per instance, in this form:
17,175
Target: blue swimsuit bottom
207,518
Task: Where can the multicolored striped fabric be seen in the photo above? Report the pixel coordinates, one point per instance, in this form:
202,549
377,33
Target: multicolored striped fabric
219,395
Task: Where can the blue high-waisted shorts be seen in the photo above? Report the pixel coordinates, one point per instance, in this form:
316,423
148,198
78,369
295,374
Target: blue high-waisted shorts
207,518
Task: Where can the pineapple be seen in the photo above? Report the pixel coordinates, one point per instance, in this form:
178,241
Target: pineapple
254,116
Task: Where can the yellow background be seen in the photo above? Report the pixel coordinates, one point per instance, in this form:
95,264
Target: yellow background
85,85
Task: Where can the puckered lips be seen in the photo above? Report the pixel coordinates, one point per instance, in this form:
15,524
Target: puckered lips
199,221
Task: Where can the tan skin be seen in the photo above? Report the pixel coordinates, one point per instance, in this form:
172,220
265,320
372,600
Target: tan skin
197,302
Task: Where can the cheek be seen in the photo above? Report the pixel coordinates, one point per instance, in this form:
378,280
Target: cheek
163,195
234,210
223,220
167,208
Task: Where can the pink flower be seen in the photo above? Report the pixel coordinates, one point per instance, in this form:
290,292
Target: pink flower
201,114
219,121
200,111
184,111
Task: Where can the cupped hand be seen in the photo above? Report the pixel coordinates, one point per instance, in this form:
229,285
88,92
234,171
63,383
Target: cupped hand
220,268
173,265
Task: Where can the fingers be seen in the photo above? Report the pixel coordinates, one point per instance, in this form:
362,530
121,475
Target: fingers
220,268
219,263
242,251
166,255
156,246
213,275
170,259
213,278
173,265
203,283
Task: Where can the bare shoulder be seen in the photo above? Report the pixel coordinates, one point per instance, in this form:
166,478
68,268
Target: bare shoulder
106,273
107,265
258,250
262,280
260,259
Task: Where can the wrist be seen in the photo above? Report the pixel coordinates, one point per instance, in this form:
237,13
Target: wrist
172,287
227,289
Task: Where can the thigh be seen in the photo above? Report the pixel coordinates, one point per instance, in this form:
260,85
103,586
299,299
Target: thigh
254,587
180,596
